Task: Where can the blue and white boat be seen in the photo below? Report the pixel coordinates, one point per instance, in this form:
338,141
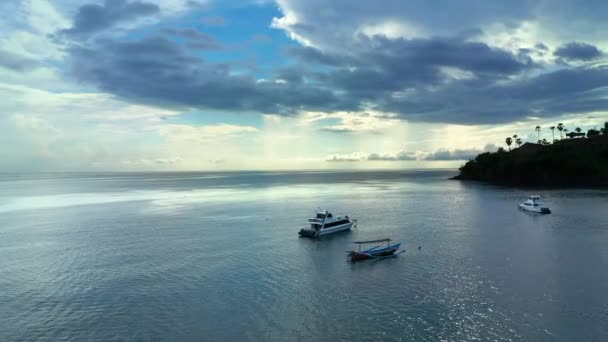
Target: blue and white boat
374,252
534,204
324,223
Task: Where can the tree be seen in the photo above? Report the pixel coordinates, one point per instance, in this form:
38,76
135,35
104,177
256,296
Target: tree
578,129
509,141
518,141
552,128
544,142
560,128
537,129
592,132
566,132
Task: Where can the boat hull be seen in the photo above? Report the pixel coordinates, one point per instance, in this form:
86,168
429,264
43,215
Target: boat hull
373,253
539,210
336,229
310,233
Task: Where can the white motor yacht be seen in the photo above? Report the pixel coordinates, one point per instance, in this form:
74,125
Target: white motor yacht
535,204
324,223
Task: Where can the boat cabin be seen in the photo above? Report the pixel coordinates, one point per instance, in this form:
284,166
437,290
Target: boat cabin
324,219
323,222
533,201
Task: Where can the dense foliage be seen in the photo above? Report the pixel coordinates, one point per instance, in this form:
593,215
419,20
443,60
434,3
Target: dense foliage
583,163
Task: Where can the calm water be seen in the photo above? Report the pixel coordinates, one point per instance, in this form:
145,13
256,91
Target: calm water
215,256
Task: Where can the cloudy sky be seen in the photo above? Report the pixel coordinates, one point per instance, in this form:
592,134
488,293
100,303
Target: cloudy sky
105,85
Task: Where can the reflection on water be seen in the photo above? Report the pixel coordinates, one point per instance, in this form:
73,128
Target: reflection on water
202,256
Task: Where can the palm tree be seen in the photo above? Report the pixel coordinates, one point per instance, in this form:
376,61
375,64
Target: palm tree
566,132
560,128
552,128
518,141
537,129
578,129
509,141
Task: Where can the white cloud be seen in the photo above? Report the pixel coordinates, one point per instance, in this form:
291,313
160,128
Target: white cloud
390,28
201,134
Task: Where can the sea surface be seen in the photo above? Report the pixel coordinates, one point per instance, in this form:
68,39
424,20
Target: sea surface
216,257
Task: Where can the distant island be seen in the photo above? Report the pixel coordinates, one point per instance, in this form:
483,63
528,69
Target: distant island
575,159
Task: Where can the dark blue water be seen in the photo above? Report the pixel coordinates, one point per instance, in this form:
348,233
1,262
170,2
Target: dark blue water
215,256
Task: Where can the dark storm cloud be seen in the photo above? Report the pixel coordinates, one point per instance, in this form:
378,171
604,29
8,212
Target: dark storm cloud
471,56
471,102
450,80
309,55
195,39
15,62
578,51
383,65
157,70
92,18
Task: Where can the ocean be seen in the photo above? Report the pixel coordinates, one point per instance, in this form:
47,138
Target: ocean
216,256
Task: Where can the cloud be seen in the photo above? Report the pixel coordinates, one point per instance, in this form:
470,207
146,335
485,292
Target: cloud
201,134
359,156
92,18
214,21
195,39
441,154
35,125
157,71
446,80
578,51
400,156
433,74
331,26
15,62
138,162
458,154
353,157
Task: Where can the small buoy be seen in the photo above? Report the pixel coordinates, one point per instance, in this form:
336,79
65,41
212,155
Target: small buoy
419,248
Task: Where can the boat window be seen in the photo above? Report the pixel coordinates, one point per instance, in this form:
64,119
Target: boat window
320,215
337,223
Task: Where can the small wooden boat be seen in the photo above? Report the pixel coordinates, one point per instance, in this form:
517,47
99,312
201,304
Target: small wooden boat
374,252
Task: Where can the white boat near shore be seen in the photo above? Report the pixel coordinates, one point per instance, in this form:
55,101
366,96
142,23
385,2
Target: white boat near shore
535,204
324,223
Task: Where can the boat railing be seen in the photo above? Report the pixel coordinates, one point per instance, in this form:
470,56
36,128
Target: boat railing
315,220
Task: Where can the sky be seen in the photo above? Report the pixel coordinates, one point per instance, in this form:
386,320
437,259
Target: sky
176,85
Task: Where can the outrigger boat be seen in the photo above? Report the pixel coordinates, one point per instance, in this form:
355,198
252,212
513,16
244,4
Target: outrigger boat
374,252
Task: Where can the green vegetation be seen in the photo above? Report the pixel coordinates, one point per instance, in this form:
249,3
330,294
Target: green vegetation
578,160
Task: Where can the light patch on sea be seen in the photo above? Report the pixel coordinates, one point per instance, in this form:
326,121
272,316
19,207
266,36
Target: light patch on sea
173,200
